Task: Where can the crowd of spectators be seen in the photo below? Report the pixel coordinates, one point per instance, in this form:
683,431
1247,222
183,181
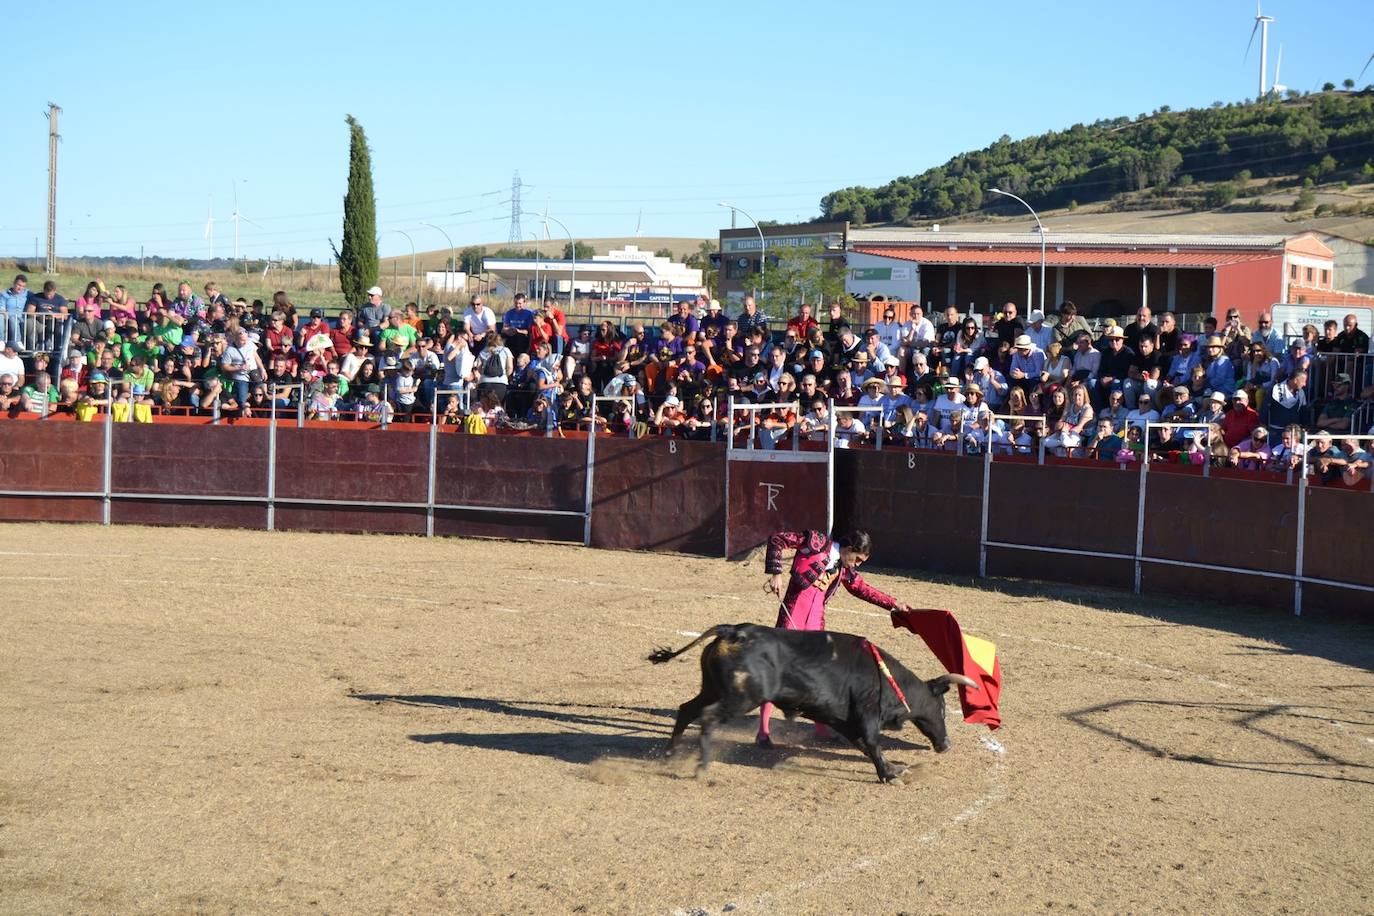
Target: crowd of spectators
1231,396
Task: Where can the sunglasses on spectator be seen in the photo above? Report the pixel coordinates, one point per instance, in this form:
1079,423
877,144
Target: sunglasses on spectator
1265,324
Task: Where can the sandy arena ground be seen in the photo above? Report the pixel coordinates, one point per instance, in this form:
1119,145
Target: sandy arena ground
208,721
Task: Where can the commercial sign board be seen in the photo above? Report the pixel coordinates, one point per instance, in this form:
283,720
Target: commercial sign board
751,243
880,273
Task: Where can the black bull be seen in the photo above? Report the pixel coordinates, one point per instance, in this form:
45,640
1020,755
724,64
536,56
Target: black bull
827,677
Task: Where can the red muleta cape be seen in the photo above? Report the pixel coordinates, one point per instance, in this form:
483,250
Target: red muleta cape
967,655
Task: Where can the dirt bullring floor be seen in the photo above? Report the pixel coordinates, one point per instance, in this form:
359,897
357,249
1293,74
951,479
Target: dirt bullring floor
230,721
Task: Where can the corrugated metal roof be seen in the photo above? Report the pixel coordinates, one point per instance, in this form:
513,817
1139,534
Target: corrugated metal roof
866,238
1081,257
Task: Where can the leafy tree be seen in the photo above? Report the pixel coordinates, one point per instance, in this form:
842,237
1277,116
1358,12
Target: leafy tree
798,274
584,251
1219,195
665,253
1306,199
470,259
1348,84
358,257
1164,165
1096,162
701,260
1328,87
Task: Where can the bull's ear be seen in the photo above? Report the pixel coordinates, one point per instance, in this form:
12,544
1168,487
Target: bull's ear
938,686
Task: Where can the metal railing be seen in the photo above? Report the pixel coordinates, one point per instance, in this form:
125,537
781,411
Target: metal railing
39,332
1326,368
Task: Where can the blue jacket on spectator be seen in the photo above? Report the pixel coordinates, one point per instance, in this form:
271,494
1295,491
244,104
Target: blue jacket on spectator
13,302
1181,368
1221,376
1273,341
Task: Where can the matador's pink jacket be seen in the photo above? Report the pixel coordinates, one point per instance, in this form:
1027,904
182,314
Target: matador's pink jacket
816,573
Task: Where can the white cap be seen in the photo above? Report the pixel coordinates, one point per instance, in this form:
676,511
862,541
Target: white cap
375,291
1037,315
980,363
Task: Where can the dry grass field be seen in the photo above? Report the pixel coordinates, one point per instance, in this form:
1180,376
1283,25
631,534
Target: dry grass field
216,722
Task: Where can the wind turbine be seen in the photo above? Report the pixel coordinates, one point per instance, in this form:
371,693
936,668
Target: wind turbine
1365,67
1262,26
209,234
236,217
1279,88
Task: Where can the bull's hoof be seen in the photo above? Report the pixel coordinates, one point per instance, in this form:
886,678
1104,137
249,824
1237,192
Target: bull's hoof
764,742
894,776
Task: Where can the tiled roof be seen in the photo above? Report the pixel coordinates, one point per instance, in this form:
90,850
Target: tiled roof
1079,257
921,238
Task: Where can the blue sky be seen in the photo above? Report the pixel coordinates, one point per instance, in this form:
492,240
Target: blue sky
606,110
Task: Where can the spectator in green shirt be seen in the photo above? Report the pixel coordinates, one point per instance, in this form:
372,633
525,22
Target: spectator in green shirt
399,338
38,397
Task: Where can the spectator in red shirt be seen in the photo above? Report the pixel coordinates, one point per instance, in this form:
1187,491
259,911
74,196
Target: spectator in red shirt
279,335
802,323
1240,420
342,336
316,326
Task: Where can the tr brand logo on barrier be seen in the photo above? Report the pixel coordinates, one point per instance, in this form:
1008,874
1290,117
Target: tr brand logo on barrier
772,489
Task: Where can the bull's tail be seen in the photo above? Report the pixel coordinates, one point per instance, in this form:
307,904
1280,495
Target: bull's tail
664,654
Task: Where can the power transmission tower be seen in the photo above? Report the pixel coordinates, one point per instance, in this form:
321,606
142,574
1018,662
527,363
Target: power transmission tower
517,233
53,137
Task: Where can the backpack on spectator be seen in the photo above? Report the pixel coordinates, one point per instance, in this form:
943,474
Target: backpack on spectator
493,366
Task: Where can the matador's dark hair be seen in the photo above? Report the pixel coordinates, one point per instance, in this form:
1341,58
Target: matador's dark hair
856,540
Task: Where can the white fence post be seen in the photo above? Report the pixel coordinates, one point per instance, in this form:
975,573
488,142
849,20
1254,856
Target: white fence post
107,472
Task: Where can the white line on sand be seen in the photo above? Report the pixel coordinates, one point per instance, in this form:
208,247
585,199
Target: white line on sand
400,598
769,899
103,556
621,585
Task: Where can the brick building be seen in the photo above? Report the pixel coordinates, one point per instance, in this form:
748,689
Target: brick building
1106,275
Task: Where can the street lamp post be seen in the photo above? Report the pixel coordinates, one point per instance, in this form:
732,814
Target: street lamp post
418,297
1041,229
762,253
452,253
572,285
534,237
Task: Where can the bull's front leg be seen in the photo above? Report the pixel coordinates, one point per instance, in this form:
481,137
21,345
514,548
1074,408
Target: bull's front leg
865,735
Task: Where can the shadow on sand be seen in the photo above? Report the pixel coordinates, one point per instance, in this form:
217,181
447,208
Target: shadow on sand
587,733
1307,756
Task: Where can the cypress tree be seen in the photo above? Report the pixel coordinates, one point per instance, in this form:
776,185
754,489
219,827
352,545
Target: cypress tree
358,258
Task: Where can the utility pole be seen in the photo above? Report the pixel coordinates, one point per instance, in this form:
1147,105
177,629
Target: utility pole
517,232
53,137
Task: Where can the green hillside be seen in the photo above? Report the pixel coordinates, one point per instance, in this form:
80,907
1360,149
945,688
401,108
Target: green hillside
1199,158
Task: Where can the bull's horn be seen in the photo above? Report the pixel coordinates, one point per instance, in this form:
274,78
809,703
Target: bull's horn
962,680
